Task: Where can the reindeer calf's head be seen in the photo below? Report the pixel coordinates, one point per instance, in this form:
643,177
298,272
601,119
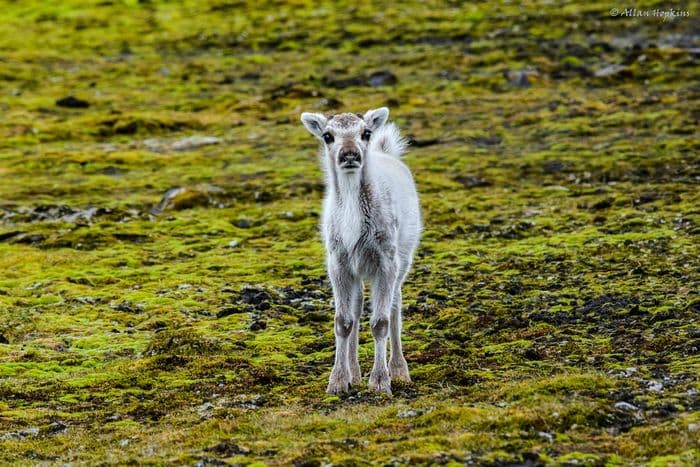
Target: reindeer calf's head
345,136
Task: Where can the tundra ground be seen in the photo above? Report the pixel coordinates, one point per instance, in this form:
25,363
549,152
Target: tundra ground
162,290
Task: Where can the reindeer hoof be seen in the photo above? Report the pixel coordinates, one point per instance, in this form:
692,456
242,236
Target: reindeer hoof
339,382
399,371
380,381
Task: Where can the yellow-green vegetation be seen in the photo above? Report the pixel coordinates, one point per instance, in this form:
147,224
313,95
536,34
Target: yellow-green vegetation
163,297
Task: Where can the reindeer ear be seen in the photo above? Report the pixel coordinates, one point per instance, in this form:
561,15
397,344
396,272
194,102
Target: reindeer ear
314,123
376,118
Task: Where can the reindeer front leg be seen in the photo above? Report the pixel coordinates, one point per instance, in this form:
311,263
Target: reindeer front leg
345,288
383,286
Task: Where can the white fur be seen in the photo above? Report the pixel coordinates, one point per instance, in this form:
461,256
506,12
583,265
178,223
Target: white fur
371,226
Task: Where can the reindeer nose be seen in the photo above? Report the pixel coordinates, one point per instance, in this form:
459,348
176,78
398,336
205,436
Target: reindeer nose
349,156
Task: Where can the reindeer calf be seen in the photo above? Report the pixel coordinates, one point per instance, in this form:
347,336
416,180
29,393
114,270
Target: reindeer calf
371,226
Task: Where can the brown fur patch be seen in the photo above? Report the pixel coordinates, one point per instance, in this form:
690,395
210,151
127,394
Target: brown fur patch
346,120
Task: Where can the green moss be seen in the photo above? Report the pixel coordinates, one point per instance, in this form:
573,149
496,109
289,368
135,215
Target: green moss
557,274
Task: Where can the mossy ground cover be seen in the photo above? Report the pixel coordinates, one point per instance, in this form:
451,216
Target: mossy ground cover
163,300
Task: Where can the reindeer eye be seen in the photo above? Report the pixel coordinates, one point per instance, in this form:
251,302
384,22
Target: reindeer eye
366,135
328,138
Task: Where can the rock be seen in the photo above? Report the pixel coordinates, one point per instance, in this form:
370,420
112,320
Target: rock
72,102
329,103
210,462
602,204
553,167
205,409
407,414
232,244
254,295
520,78
693,427
257,324
381,78
9,235
61,212
153,144
342,83
485,141
472,181
654,386
625,406
228,449
609,71
194,142
243,224
30,239
547,436
20,434
127,306
262,196
56,427
375,79
188,197
228,310
421,143
112,171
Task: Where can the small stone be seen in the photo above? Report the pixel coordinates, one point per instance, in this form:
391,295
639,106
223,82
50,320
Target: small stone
153,144
382,78
127,306
232,244
229,449
72,102
188,197
228,310
625,406
257,325
610,71
520,78
29,432
544,435
243,224
184,286
693,427
654,386
56,427
194,142
205,408
124,443
407,414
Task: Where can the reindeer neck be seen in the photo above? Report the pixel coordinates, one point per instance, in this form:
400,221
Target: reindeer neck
351,189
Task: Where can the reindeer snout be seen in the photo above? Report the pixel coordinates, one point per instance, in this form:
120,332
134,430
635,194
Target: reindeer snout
349,157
